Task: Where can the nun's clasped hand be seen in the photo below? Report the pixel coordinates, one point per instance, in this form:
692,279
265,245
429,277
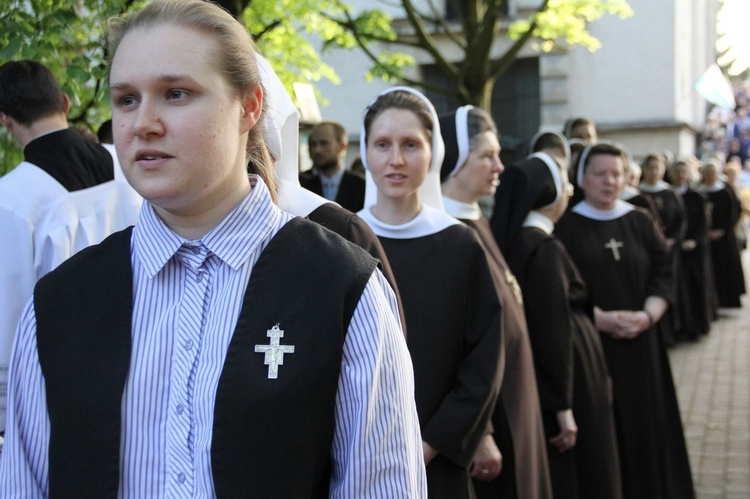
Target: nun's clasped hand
621,324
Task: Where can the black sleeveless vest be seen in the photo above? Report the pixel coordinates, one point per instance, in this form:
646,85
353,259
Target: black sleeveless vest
271,437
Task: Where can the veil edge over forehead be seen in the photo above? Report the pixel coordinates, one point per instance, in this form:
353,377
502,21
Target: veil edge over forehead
429,193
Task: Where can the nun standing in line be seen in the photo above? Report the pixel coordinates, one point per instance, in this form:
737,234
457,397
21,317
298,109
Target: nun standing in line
281,131
696,282
630,191
470,170
574,384
671,209
622,256
581,128
452,309
724,213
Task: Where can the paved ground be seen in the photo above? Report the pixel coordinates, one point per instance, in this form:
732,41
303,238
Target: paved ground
714,395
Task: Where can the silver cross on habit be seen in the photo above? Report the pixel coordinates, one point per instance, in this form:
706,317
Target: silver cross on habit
511,281
615,247
274,352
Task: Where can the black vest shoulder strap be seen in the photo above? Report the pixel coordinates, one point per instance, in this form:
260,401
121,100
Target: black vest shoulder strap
83,314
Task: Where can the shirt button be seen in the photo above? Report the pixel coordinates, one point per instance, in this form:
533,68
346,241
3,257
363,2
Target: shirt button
180,409
196,249
181,478
188,344
200,277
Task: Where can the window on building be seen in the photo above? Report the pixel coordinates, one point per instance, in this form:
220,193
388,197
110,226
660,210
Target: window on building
515,104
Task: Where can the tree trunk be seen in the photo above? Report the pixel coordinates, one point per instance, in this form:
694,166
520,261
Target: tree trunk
477,88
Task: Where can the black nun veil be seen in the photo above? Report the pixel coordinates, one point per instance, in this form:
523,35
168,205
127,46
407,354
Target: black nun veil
531,184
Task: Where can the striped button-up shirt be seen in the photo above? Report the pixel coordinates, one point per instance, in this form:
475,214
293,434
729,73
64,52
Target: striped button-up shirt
187,298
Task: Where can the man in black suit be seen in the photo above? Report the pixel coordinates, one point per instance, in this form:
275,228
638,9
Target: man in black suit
328,177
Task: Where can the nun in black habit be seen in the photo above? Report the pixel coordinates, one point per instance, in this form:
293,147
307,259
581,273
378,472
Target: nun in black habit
724,214
630,191
694,280
673,219
281,131
451,306
573,379
470,170
622,256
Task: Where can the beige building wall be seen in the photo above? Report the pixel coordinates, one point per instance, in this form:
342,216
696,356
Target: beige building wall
638,86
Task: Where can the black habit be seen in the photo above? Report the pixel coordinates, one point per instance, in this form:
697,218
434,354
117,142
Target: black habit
672,216
453,318
570,365
636,198
624,260
725,209
694,279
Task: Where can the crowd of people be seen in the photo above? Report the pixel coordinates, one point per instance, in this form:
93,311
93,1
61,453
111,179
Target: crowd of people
231,327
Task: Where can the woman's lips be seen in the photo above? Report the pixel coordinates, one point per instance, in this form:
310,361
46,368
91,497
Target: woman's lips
151,159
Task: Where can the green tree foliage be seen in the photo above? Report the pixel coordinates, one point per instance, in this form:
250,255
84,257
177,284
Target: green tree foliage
554,23
69,37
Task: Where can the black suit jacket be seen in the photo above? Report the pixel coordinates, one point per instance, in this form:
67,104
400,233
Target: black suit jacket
351,194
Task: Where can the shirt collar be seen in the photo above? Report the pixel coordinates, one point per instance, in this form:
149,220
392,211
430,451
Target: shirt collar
719,185
536,219
334,179
621,208
233,241
628,192
658,187
462,211
429,221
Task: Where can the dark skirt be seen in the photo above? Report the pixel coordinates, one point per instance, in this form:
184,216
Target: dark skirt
653,455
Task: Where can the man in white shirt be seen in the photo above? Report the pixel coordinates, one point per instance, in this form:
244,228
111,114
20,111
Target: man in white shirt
67,194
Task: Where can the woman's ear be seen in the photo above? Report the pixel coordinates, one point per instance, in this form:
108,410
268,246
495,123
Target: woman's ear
252,106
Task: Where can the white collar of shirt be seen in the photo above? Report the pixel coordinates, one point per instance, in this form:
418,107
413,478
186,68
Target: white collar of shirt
681,190
330,185
334,179
429,221
658,187
719,185
462,211
155,243
621,208
536,219
628,192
